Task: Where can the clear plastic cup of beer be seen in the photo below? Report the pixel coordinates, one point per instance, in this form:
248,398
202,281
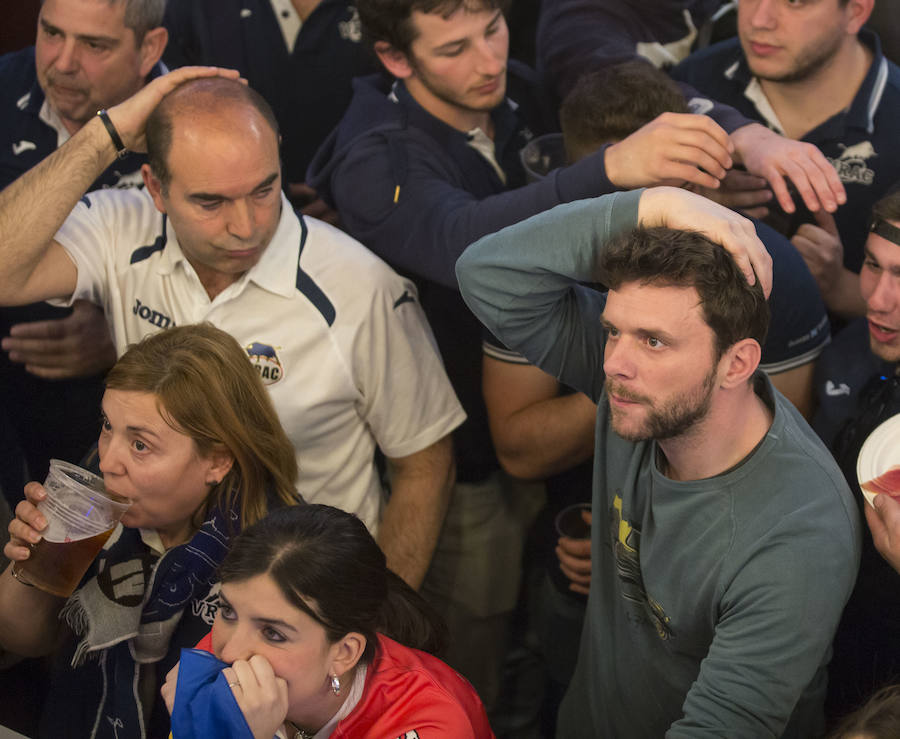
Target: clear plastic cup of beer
542,155
570,521
80,516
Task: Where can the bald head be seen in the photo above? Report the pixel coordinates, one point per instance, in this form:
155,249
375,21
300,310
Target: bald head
215,100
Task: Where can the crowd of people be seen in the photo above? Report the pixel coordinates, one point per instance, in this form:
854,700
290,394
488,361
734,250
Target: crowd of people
353,360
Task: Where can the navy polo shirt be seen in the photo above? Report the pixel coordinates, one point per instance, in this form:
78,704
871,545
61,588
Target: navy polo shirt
860,142
25,139
308,85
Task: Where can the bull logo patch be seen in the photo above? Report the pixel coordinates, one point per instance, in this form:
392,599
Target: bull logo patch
265,359
852,163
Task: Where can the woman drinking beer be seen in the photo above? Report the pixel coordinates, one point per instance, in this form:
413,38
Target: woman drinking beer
190,437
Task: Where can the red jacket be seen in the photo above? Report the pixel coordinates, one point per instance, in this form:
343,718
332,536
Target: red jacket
410,694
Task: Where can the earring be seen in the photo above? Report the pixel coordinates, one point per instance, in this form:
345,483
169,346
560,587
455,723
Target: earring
335,685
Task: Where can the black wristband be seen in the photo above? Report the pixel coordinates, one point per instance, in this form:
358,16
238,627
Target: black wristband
121,151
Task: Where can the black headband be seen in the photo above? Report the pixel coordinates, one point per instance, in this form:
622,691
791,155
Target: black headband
886,231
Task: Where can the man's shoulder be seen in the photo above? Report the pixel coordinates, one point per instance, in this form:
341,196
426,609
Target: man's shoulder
24,138
20,96
342,266
17,71
719,65
799,327
850,353
802,477
844,368
372,118
124,199
125,216
891,85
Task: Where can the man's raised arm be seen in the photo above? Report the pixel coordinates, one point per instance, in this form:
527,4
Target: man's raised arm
33,266
522,282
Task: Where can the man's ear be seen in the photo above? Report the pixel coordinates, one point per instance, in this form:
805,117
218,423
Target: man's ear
395,62
857,13
152,48
154,187
739,363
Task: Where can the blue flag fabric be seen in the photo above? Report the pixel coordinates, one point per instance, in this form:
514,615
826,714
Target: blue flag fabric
204,704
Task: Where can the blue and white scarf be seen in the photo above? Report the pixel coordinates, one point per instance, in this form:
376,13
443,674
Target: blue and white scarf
125,615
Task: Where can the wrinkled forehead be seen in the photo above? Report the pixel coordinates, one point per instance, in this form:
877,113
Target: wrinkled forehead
644,305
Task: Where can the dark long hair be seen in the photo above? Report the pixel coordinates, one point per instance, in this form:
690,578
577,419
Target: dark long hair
326,563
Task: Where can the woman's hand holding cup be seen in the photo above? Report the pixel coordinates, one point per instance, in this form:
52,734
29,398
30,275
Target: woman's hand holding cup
25,529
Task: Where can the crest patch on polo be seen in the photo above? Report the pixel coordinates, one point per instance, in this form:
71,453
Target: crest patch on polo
265,358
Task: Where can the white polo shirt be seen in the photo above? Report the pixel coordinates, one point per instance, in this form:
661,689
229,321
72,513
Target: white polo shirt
338,338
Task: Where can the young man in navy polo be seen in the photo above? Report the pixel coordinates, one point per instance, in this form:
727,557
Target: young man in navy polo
858,388
811,72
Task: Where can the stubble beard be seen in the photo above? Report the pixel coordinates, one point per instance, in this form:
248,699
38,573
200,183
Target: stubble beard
455,100
667,422
807,65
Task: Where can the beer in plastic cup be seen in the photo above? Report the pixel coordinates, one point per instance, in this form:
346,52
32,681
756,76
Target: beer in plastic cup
542,155
80,517
570,523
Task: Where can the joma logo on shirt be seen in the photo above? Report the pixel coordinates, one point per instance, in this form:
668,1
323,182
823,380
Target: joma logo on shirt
153,316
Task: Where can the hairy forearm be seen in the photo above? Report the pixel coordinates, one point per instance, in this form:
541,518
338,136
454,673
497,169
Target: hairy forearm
34,206
546,438
29,618
412,520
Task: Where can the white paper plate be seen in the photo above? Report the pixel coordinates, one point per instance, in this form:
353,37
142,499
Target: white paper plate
879,454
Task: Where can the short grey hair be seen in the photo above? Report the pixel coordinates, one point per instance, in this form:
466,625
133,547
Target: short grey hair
141,15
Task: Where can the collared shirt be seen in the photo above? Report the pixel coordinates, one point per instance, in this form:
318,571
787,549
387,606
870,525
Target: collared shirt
338,339
859,142
32,131
303,68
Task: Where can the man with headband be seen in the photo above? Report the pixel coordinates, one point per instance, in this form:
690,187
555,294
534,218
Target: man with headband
858,387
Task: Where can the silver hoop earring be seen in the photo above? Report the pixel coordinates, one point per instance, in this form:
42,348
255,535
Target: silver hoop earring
335,685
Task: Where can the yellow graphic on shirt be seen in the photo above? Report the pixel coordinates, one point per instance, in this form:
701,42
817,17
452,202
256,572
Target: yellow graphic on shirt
626,541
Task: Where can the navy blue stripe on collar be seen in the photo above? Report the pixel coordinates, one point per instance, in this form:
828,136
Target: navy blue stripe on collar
307,286
145,252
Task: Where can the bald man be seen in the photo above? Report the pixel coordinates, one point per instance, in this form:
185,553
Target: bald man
349,365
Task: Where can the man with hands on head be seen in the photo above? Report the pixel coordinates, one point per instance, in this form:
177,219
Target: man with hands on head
88,55
210,239
705,479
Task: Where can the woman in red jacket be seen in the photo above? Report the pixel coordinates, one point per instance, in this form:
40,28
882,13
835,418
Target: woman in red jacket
305,611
